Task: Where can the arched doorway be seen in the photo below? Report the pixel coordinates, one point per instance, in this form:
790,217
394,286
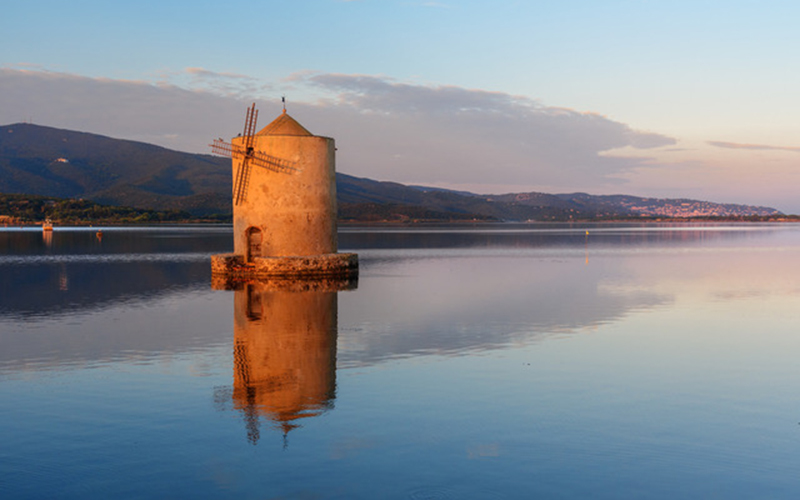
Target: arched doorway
254,237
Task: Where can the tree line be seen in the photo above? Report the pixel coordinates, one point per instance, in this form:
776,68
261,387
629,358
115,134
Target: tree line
30,209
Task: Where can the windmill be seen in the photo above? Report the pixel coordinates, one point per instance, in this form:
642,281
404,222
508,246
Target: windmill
283,225
246,156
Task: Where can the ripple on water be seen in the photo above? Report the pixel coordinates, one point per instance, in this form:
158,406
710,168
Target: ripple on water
448,492
27,260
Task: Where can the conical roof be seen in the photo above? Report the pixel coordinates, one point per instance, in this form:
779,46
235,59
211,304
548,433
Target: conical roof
284,125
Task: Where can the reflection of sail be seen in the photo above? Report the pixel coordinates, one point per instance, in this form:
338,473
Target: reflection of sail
284,352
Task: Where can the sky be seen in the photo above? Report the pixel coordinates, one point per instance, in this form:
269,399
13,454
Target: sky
691,99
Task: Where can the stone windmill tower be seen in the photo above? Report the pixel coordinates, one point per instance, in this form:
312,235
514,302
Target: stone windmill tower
284,203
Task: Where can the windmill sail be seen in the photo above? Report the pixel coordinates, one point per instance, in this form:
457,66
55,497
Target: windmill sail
247,156
243,174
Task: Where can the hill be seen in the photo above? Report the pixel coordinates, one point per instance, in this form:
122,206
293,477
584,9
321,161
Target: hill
66,164
357,193
47,161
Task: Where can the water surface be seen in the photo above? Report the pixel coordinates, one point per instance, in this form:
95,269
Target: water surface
499,361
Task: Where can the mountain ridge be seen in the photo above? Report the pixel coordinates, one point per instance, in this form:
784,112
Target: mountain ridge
41,160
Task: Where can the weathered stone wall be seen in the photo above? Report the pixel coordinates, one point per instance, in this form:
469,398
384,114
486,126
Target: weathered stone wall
285,225
311,266
295,210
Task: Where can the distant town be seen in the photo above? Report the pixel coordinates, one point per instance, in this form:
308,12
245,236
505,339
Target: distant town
690,209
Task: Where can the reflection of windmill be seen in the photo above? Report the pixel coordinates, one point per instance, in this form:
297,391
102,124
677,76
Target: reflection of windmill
284,353
244,153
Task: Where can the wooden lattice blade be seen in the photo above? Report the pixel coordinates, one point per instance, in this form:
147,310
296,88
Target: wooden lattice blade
241,181
222,148
250,126
261,159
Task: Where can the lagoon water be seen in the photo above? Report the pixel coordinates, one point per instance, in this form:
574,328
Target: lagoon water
498,361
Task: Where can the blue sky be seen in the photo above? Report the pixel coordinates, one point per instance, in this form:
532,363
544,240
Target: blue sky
655,98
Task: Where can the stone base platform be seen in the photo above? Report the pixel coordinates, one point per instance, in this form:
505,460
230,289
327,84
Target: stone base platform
332,265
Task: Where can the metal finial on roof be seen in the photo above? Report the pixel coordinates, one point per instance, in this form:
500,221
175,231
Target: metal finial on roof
283,100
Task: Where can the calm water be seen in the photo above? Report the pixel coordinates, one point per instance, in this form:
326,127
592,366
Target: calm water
529,361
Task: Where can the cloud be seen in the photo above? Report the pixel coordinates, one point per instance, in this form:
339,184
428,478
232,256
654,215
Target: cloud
221,83
438,135
202,72
757,147
452,135
384,129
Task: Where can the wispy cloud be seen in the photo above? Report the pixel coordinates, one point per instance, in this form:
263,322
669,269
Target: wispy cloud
218,82
205,73
758,147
